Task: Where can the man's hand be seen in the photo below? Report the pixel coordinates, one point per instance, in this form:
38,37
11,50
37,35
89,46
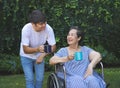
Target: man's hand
41,48
40,58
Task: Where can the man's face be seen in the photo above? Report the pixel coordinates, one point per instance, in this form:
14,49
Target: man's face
40,26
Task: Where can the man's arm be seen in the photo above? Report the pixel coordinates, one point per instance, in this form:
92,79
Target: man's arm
53,48
30,50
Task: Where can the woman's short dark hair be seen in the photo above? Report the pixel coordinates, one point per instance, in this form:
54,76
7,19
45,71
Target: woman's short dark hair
37,16
80,32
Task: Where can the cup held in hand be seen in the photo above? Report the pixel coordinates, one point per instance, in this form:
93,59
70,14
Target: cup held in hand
47,48
78,56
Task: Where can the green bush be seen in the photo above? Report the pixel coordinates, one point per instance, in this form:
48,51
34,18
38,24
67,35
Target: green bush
48,67
10,64
108,58
99,19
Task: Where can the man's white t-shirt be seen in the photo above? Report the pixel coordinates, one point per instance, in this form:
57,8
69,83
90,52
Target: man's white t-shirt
33,39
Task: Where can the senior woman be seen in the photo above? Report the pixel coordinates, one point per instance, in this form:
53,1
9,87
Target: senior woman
79,73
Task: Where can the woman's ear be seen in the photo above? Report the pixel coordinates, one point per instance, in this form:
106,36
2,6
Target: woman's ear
79,38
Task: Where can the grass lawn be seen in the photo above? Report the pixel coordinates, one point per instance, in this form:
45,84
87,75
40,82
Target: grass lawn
112,76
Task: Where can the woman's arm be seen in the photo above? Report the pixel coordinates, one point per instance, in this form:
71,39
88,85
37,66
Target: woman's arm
55,59
95,58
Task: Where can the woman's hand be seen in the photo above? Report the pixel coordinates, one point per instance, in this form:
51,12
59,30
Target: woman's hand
89,71
70,57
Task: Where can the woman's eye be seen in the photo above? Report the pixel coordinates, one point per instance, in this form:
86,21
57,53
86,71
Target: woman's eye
71,35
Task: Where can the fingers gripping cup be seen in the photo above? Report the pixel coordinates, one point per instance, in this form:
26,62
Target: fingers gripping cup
78,56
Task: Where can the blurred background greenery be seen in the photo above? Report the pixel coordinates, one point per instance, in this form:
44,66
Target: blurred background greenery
100,20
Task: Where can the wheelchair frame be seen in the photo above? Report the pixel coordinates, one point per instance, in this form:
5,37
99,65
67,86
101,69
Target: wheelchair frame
54,81
61,83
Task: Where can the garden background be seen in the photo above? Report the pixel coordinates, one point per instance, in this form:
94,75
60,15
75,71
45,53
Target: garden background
100,20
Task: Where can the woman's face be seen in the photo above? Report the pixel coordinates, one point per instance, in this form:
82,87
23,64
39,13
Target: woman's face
72,37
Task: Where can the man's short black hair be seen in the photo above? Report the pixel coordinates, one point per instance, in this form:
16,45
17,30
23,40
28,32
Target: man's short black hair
37,17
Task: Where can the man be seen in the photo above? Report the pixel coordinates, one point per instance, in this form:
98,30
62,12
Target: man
34,36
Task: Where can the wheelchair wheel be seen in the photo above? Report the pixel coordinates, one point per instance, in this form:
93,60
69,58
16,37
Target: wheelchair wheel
55,82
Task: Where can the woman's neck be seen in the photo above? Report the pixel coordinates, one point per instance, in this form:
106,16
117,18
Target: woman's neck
74,48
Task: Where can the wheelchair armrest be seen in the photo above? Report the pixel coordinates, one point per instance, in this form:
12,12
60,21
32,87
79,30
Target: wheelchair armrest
61,68
100,66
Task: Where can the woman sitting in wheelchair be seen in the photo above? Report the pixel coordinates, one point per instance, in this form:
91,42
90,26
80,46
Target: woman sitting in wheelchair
79,62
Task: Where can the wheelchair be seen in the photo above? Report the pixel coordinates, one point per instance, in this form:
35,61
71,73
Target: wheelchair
56,82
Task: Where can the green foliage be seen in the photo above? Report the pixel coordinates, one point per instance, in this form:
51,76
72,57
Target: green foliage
48,67
99,19
108,58
10,64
